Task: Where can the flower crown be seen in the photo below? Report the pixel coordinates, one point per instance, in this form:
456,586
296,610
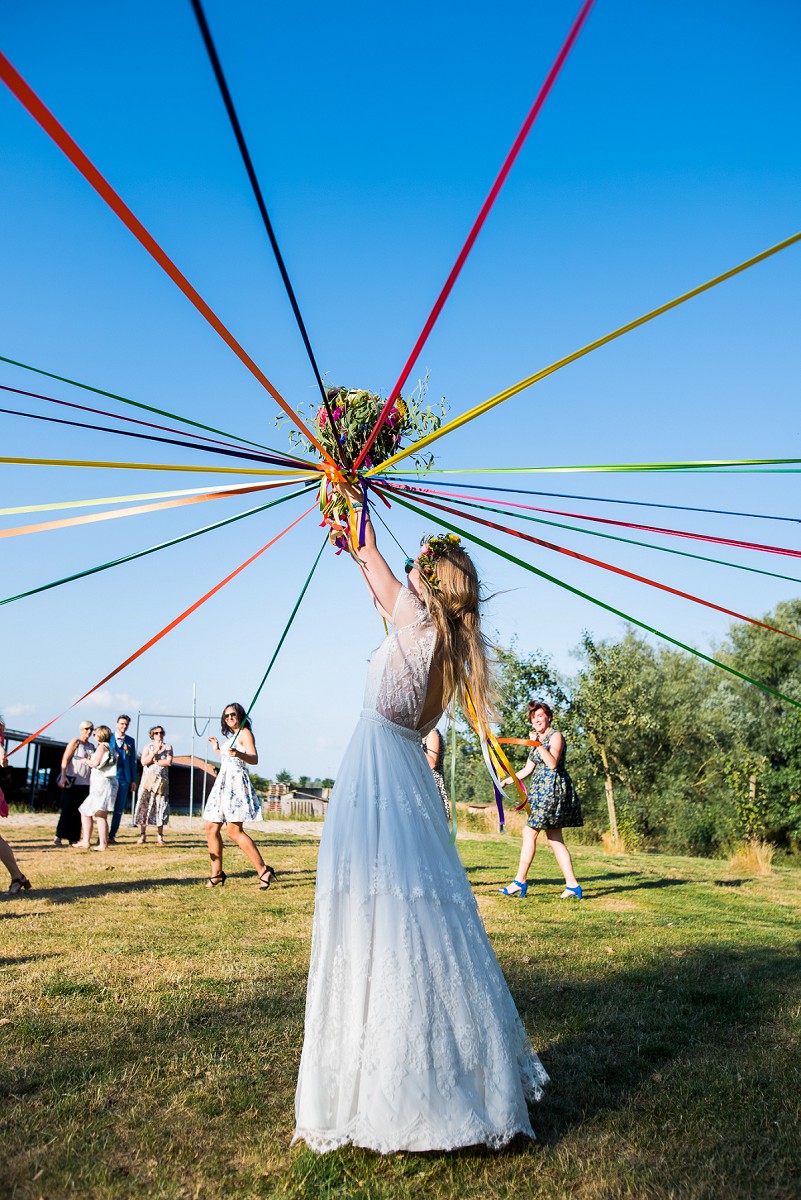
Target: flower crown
432,547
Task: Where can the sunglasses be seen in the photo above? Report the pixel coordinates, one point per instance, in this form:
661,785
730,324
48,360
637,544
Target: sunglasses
155,731
230,716
87,729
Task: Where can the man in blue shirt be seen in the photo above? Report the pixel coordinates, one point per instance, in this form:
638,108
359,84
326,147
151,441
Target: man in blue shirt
126,771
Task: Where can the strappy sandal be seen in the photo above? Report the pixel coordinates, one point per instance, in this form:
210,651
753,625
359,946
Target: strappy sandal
18,883
216,880
266,878
515,889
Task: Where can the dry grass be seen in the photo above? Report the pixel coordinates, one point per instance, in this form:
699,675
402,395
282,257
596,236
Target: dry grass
612,845
753,858
150,1030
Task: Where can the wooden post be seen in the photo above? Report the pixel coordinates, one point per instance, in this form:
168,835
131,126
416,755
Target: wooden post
610,797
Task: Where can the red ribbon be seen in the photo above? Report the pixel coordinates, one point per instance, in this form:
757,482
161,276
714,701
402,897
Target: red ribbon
534,112
30,101
167,628
597,562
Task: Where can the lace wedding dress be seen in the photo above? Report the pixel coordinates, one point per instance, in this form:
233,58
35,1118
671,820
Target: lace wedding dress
412,1039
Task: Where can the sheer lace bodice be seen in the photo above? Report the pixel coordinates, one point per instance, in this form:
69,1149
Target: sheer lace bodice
397,678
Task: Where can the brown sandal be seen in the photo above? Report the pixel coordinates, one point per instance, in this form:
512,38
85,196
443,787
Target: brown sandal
18,883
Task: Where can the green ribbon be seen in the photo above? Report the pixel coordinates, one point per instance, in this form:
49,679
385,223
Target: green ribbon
613,537
161,412
185,537
282,638
471,537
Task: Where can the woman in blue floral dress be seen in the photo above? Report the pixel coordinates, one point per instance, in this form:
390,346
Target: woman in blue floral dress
233,799
552,799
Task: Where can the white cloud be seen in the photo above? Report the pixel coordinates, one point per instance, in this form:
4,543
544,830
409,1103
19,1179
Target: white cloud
18,710
121,700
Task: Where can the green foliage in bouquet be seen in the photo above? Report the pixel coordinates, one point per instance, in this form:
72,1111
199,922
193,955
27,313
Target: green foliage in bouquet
355,413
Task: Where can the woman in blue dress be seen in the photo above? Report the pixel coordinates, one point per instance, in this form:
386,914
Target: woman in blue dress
552,799
233,799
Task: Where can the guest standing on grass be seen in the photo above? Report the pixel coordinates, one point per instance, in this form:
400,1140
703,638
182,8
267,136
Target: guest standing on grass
125,747
153,805
233,799
434,746
18,880
102,791
552,799
74,784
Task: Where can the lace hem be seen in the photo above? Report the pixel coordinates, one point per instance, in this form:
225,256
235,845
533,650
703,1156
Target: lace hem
416,1137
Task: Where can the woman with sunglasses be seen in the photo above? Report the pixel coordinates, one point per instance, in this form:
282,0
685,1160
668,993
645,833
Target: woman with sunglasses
153,801
412,1039
233,799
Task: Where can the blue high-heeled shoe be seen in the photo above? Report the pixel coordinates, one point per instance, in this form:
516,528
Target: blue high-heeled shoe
519,891
572,893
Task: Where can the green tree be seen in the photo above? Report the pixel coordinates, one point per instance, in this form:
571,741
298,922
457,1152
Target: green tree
284,776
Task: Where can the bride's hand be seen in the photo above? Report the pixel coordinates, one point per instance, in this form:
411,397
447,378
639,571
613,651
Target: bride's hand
350,491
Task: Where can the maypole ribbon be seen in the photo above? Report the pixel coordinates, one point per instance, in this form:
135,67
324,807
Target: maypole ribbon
225,92
184,537
489,487
182,433
129,466
508,163
113,513
40,113
493,755
597,562
504,510
161,412
737,543
162,632
479,409
95,502
703,465
247,455
282,638
617,612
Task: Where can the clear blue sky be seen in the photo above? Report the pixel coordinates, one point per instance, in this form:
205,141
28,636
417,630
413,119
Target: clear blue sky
667,152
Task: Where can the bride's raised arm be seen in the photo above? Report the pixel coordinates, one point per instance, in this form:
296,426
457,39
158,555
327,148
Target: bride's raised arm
383,585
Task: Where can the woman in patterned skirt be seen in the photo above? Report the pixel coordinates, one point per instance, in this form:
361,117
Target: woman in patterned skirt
153,801
553,802
233,799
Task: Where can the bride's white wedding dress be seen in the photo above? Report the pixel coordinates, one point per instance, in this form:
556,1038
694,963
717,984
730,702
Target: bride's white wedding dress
412,1039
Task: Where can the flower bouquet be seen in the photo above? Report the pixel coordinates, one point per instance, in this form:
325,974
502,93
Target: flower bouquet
353,414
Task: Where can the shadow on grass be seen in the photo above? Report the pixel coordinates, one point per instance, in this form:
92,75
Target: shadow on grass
695,1022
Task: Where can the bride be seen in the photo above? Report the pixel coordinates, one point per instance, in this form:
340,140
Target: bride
412,1039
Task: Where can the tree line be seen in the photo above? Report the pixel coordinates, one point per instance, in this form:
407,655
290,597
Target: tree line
680,755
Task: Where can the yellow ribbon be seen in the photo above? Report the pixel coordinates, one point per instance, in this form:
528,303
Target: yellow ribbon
479,409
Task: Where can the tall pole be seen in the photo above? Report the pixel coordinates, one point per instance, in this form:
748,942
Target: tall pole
206,759
192,757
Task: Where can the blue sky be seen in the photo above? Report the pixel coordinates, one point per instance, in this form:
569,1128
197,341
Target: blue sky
667,152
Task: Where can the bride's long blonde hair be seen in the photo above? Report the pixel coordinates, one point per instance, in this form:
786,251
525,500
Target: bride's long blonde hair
451,591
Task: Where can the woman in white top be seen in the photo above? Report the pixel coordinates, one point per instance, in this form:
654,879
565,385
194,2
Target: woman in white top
412,1039
103,786
233,799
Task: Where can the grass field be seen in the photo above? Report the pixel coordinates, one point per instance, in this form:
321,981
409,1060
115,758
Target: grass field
151,1029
